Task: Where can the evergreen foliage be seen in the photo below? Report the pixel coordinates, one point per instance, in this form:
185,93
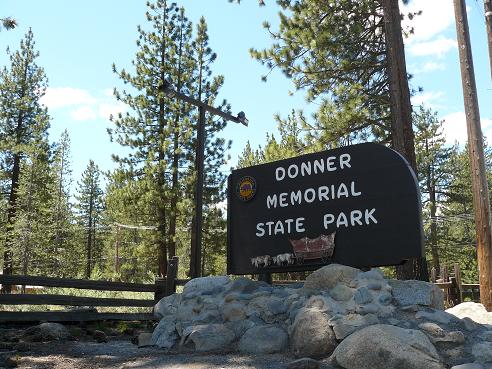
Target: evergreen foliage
23,124
90,208
160,132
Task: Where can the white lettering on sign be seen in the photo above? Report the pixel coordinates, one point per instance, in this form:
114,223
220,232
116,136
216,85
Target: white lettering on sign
318,166
354,218
271,228
309,195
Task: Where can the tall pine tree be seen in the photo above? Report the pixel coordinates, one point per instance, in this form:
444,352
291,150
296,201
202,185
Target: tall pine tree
22,119
160,130
90,207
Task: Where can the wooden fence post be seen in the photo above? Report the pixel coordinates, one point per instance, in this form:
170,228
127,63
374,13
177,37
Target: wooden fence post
160,288
433,275
172,273
457,277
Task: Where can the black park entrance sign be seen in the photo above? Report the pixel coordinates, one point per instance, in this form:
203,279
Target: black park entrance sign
357,205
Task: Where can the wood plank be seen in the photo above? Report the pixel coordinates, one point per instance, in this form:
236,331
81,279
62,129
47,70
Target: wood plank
182,282
29,299
444,285
75,283
69,316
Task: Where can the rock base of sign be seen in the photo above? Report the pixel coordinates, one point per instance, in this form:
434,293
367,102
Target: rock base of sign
351,319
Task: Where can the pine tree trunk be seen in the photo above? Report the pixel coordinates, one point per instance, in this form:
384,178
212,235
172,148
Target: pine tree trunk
89,241
431,189
402,135
161,208
175,162
12,209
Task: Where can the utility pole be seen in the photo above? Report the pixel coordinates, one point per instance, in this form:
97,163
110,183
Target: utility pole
487,4
481,203
402,136
197,220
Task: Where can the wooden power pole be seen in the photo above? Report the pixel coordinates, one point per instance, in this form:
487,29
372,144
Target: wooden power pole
481,203
402,136
487,4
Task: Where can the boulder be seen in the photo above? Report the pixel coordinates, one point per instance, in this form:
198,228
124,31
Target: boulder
145,340
362,296
439,335
438,316
165,335
208,337
167,305
344,325
265,339
468,366
417,293
329,276
303,363
243,285
311,334
341,292
472,310
99,336
46,332
387,347
205,286
482,352
233,312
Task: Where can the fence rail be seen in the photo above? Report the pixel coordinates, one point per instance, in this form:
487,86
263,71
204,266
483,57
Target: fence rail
161,287
455,292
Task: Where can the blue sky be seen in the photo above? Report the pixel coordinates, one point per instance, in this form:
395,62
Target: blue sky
79,41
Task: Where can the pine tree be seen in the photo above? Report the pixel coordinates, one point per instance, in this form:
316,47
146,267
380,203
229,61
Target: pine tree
62,245
32,220
160,130
90,206
433,162
147,131
22,118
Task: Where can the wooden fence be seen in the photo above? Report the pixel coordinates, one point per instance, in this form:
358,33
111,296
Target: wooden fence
161,287
455,292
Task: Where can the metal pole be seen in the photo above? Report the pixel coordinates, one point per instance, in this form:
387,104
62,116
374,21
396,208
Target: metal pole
481,203
196,237
487,4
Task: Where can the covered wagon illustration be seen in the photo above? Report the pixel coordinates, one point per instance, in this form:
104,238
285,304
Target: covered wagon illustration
321,247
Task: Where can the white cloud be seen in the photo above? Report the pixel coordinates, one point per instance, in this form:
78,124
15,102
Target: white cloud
427,98
107,109
59,97
436,17
432,66
83,113
438,47
428,38
455,128
82,105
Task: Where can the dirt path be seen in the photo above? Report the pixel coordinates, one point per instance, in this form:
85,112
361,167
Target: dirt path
119,354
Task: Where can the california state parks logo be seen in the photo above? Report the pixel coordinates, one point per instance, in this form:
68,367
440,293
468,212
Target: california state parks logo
246,188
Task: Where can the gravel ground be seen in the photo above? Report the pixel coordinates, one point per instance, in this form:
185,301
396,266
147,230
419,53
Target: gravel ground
124,355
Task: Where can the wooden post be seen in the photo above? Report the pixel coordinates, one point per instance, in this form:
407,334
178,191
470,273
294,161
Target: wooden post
402,136
433,275
457,276
265,277
117,251
160,288
172,273
445,274
487,4
481,203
